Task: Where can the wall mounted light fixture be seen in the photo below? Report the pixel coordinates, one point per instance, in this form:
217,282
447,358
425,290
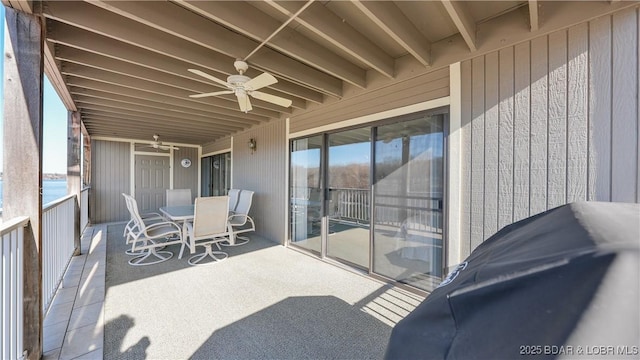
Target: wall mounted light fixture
252,145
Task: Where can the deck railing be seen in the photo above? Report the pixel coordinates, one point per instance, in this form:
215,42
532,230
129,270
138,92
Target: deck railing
58,232
11,299
414,211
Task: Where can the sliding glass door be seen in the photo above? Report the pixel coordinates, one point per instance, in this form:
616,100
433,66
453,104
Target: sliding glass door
376,205
408,193
349,164
306,193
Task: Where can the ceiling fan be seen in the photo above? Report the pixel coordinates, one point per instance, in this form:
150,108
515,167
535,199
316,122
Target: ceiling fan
157,144
244,87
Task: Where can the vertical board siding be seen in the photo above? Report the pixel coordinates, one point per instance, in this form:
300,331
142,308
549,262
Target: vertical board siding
477,152
465,157
577,108
505,131
521,131
264,172
539,119
624,106
491,136
557,130
186,178
600,107
110,174
548,122
424,87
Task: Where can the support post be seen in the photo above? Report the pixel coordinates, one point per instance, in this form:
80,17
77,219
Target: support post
22,182
74,178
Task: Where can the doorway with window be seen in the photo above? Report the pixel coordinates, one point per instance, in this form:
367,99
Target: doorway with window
372,197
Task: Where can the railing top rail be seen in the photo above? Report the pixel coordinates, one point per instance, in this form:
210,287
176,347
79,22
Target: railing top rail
10,225
55,203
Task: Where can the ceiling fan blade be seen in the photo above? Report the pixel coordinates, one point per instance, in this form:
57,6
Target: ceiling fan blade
245,104
271,98
260,81
197,96
210,77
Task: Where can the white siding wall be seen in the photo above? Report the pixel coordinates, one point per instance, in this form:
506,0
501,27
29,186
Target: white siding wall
548,122
110,177
263,171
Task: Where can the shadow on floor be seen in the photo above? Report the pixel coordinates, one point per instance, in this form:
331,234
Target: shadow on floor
119,271
121,325
300,328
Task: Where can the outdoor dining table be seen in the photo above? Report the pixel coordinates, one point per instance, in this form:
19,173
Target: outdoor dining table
182,214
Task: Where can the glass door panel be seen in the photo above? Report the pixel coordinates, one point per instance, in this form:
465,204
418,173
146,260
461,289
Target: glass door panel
306,193
216,175
349,159
408,220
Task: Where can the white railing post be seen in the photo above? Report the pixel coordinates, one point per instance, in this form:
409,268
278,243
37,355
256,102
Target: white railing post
58,220
12,279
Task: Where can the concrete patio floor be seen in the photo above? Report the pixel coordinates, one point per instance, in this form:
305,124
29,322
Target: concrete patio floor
264,301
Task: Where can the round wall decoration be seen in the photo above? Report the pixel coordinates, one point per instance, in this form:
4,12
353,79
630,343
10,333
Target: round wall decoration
185,163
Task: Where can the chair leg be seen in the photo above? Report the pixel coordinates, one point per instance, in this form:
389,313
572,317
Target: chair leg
159,255
240,240
194,260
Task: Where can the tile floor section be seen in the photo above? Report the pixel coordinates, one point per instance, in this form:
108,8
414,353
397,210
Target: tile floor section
74,324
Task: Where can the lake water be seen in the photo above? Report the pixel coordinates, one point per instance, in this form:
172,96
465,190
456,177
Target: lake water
51,190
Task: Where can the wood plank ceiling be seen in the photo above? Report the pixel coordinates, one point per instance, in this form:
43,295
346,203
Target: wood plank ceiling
123,64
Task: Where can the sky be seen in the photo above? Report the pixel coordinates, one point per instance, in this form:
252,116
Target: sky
55,121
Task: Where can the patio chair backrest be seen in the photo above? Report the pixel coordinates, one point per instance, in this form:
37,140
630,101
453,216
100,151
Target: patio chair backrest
210,216
178,197
234,194
244,202
132,206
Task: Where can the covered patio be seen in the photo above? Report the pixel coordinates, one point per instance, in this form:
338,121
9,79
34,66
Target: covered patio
265,301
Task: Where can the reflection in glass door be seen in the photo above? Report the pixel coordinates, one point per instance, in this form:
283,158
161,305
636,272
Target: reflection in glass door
349,159
408,218
306,193
216,174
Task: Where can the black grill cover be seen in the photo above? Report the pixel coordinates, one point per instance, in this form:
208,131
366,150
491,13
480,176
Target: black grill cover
564,283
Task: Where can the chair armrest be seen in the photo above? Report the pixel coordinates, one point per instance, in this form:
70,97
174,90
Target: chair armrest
163,223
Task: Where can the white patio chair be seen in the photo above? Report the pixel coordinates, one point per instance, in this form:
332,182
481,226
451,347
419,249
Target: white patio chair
209,227
240,220
131,227
179,197
148,237
233,199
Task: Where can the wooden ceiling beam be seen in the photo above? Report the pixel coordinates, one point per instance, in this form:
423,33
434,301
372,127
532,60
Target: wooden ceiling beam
330,27
52,70
87,84
150,109
154,88
135,71
138,36
388,17
107,120
150,128
233,122
109,111
249,21
71,36
187,26
533,15
466,26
